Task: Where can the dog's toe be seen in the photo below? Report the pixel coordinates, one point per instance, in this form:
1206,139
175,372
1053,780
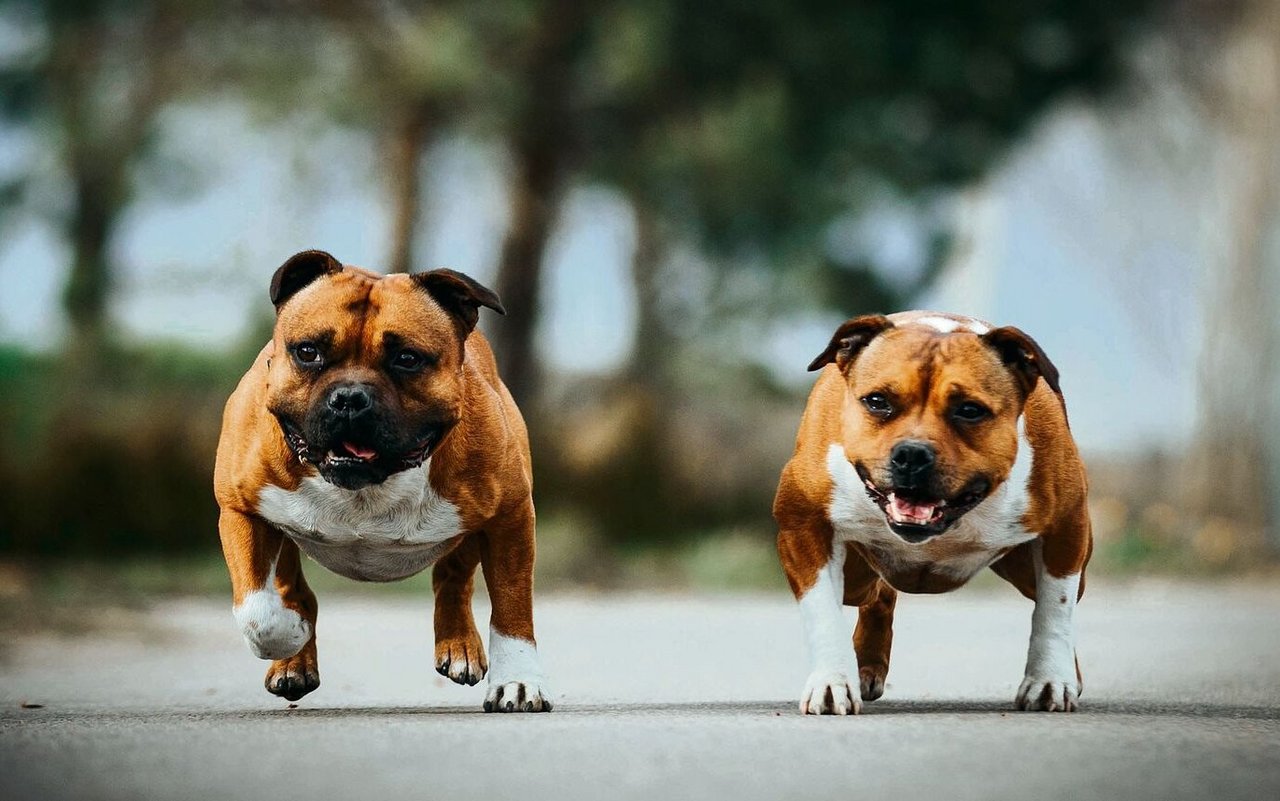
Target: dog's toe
829,693
294,677
871,682
1046,694
461,660
517,696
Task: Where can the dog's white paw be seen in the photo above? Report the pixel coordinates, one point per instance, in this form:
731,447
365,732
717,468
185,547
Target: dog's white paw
1048,694
515,676
517,696
271,629
828,692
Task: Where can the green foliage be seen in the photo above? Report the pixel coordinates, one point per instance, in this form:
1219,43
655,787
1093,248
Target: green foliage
115,468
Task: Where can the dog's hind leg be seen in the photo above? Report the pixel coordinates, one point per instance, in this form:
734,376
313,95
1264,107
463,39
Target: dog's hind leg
873,636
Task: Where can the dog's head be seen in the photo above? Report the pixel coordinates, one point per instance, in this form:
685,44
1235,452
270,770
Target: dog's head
931,412
366,373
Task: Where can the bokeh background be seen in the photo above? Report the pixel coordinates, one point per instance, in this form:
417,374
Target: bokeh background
677,202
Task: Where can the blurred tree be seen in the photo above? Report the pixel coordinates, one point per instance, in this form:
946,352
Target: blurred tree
1231,63
94,84
418,70
746,130
543,137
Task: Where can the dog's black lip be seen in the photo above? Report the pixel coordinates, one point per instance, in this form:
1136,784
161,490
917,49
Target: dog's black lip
294,439
424,448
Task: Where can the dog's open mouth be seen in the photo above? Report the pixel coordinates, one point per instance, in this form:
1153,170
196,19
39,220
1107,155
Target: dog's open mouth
916,519
350,453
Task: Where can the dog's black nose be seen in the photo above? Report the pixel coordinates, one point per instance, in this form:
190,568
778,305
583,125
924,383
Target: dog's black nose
351,400
910,462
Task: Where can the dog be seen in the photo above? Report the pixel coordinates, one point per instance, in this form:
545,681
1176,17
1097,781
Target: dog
932,446
374,435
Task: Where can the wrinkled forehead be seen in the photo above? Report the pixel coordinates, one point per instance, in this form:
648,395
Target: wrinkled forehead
360,304
917,361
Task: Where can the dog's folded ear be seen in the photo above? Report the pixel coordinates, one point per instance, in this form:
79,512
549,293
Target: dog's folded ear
300,270
1024,357
460,295
851,337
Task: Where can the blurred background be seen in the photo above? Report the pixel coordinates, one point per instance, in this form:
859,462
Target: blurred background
677,202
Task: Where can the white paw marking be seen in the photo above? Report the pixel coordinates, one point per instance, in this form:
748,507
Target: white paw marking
272,630
828,690
1050,682
516,683
829,693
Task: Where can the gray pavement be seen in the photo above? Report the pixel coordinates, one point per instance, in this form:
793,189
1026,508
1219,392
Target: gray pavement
660,697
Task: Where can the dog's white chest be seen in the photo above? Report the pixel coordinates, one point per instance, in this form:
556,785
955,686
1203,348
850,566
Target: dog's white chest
381,533
973,543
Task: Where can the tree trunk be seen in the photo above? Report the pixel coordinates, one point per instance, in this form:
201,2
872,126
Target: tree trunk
93,219
534,202
407,143
542,146
651,349
1236,456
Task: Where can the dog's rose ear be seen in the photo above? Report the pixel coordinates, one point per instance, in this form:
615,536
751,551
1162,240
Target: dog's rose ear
300,270
460,295
851,337
1024,357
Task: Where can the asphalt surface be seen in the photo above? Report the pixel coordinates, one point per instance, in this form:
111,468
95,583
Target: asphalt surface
659,697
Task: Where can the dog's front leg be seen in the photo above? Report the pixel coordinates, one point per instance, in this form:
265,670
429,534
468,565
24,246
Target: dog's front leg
516,681
271,601
459,651
1052,679
815,569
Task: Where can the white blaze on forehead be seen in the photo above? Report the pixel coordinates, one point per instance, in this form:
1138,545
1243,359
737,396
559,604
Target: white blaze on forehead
942,322
947,325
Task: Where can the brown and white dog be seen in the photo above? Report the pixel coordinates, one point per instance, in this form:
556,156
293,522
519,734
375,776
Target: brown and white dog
932,446
374,434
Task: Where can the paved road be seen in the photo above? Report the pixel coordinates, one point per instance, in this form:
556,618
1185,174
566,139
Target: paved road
659,697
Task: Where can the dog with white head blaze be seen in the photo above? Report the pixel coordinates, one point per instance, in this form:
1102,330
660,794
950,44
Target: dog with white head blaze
932,446
374,435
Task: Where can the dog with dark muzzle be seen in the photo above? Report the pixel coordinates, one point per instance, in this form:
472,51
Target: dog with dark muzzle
374,435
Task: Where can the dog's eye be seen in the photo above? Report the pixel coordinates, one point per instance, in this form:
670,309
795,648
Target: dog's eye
307,354
971,412
410,361
878,404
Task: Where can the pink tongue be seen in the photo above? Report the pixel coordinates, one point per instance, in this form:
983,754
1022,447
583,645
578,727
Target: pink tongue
358,452
903,509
